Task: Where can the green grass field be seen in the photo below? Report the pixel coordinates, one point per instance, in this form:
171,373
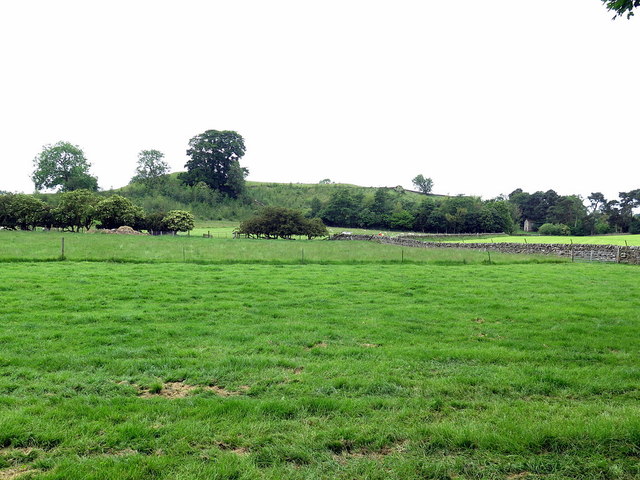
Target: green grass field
223,229
631,240
424,370
41,246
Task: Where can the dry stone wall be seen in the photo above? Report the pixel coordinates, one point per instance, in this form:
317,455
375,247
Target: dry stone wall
601,253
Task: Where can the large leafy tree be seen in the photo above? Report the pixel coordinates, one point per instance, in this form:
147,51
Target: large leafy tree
151,168
62,166
622,7
215,160
425,185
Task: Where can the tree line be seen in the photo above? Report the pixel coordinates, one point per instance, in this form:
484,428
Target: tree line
600,216
79,210
383,211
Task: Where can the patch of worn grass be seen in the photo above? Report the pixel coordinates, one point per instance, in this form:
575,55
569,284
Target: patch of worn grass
339,371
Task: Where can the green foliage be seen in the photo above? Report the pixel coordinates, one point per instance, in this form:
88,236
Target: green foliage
23,211
401,220
151,169
279,222
62,165
343,208
315,228
75,210
554,229
425,185
154,223
215,160
116,211
179,221
622,7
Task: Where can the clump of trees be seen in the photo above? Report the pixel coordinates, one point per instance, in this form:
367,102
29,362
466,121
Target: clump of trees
279,222
601,216
79,210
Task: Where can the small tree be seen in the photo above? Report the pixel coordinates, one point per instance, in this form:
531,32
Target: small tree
63,165
314,227
22,211
179,221
154,223
425,185
151,168
76,210
29,212
117,211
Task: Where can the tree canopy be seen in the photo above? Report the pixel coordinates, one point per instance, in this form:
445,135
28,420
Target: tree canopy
425,185
151,168
274,222
215,161
622,7
63,165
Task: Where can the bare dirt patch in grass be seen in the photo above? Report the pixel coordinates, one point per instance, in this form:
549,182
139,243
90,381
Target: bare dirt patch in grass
21,450
378,454
369,345
232,449
182,390
318,345
15,472
122,453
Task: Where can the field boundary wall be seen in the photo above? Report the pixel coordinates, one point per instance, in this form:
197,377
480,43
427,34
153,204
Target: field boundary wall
601,253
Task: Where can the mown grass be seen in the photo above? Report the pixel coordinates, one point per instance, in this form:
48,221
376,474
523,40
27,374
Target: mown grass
18,246
631,240
341,371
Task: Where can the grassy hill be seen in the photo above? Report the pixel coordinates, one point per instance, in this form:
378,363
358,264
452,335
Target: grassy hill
210,205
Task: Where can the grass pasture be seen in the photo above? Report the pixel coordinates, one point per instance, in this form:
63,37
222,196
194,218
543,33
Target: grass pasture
354,370
18,246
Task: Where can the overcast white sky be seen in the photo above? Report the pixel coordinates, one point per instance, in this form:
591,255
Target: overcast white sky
483,97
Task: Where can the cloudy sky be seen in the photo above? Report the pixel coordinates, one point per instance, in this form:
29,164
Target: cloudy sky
483,97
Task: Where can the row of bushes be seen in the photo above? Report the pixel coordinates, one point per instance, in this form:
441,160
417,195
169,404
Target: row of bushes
82,209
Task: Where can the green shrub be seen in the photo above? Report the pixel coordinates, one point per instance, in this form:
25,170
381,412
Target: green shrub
179,221
554,229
